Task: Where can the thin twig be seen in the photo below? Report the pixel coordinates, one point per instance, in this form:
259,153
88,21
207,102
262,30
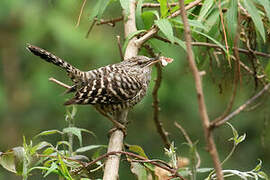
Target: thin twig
120,48
159,125
237,74
110,22
80,15
223,28
189,142
240,108
91,27
67,158
59,83
155,5
202,107
156,163
245,51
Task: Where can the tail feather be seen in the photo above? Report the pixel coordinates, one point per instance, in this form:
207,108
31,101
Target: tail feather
74,73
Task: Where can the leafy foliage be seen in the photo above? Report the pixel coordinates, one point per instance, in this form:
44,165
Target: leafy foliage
248,19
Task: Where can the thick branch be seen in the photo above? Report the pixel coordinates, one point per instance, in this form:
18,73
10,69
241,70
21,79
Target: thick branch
117,137
202,107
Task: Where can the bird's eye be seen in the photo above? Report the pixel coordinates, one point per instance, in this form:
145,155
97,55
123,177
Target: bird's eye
140,62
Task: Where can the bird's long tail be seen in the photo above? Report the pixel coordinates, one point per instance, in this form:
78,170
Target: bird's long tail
74,73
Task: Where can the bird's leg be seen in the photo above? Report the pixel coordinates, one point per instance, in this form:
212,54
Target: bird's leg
117,124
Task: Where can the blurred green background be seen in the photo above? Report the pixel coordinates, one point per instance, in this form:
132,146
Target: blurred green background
29,103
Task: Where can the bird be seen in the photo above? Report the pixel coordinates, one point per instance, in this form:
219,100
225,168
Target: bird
110,89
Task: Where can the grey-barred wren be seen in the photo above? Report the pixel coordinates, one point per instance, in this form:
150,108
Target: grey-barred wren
110,89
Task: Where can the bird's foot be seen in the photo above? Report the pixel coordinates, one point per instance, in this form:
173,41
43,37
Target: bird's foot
118,126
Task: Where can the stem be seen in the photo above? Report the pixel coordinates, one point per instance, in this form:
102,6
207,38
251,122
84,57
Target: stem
202,107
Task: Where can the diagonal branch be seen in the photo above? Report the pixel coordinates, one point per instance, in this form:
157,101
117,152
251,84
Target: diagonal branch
240,108
155,29
202,107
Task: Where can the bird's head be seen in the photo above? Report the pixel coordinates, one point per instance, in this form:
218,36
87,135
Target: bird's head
146,62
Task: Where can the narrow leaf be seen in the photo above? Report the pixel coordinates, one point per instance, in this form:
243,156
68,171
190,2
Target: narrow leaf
137,149
231,18
166,28
255,16
180,43
149,17
76,131
266,6
49,132
125,5
205,9
163,8
130,36
138,170
51,169
88,148
139,21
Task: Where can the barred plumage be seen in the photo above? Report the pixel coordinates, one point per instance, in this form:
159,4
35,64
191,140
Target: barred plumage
111,88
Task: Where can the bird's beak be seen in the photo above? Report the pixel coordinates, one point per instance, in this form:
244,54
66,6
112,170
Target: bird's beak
153,61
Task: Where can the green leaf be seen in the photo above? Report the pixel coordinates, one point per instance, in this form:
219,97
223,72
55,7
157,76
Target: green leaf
204,170
267,70
232,19
76,131
90,147
125,5
64,168
139,171
149,17
137,149
255,16
44,169
192,23
180,43
258,167
263,175
166,28
205,9
266,6
163,8
212,39
49,132
39,146
53,168
130,36
241,139
99,9
63,143
139,20
13,160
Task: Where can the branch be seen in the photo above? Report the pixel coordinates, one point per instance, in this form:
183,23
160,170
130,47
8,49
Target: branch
120,48
189,142
80,15
59,83
245,51
117,137
155,29
110,22
202,107
162,132
157,163
156,5
240,108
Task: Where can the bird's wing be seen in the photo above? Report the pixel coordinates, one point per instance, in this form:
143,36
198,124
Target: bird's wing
111,88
